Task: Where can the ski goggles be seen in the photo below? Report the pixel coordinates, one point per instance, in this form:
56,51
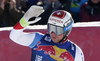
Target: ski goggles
57,29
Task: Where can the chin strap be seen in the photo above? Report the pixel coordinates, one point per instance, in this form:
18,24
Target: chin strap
63,39
65,36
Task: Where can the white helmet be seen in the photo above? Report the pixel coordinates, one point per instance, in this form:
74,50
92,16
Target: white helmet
60,22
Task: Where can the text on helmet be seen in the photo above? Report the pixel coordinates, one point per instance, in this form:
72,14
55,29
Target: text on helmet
55,20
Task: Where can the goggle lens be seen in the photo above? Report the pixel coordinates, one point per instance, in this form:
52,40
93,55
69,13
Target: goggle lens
56,29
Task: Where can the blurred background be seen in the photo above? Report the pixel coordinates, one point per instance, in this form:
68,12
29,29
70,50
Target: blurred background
82,10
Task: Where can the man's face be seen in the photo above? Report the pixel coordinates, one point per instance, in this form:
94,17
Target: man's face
56,38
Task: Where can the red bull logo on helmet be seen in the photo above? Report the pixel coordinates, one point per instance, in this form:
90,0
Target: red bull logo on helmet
55,52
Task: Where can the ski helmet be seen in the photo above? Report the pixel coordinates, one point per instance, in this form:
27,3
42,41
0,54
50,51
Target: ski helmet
60,22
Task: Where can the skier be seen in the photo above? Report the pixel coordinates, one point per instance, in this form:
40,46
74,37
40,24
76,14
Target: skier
52,46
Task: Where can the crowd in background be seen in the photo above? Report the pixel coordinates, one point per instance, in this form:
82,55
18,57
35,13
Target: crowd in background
82,10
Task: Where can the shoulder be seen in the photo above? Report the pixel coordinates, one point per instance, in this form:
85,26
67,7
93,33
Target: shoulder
38,34
79,56
37,37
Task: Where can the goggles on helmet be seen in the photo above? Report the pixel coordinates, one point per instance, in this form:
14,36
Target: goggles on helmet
57,29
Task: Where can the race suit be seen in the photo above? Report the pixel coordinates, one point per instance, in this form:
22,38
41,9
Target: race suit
44,49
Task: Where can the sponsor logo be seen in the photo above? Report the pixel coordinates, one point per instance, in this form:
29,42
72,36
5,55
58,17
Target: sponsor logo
47,39
38,58
47,49
55,52
66,56
55,20
72,47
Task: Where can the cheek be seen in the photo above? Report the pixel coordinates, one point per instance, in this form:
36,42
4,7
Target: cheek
60,36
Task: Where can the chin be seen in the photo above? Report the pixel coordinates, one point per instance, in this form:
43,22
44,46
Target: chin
55,41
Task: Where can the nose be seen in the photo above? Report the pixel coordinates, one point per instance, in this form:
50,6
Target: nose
53,33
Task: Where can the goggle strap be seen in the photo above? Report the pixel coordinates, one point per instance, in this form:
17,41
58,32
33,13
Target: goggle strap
68,27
